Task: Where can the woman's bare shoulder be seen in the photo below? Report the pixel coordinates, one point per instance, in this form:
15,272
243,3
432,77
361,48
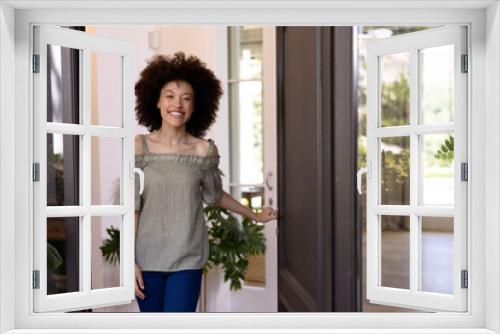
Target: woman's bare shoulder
202,146
138,144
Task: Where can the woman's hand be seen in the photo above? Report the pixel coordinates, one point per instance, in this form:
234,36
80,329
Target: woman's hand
229,203
265,215
139,283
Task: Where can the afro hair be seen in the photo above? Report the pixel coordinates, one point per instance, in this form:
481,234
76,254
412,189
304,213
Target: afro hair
163,69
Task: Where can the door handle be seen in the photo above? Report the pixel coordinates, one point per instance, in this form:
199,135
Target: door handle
268,183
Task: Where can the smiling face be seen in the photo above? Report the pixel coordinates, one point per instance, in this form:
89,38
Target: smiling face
176,103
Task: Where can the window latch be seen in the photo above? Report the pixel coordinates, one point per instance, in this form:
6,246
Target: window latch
365,170
134,170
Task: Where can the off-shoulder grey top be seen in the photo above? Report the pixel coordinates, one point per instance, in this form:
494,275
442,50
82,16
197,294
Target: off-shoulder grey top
172,233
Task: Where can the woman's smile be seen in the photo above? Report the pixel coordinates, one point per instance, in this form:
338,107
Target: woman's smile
177,114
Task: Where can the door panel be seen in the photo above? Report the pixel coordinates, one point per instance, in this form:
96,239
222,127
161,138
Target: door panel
317,124
304,167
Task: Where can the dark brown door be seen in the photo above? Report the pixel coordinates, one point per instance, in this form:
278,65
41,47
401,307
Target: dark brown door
316,167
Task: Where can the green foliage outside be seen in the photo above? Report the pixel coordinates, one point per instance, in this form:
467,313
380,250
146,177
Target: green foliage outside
446,152
395,102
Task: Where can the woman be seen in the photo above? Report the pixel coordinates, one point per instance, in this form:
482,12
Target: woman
177,99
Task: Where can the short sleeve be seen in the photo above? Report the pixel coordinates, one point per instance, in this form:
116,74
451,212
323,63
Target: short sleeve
211,183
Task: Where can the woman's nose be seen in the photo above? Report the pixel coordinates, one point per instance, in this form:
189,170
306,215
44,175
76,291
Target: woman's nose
177,102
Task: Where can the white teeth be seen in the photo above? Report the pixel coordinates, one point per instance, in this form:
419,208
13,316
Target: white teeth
176,114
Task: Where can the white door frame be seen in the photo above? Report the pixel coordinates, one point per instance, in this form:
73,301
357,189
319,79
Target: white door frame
265,298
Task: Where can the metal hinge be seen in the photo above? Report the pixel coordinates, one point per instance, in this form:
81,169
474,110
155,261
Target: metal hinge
36,171
36,279
464,171
465,64
464,279
36,63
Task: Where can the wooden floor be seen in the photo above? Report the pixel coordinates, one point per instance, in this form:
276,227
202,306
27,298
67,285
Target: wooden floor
436,265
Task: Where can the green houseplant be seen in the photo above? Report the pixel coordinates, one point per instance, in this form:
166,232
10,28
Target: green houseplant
231,241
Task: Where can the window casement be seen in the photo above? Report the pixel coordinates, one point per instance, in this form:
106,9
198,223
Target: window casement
64,136
18,18
422,143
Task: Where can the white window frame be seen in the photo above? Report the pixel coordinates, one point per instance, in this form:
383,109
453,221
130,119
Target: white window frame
411,44
86,297
483,18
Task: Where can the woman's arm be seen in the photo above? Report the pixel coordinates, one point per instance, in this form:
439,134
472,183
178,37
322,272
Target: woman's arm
137,215
228,202
139,282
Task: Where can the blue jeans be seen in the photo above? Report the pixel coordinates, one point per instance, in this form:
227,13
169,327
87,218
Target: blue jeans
176,291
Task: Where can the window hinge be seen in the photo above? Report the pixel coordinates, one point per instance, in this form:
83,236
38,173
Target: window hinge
36,171
464,171
36,63
464,279
36,279
465,64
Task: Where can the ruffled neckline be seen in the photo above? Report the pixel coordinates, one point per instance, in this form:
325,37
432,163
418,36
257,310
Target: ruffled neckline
148,156
177,157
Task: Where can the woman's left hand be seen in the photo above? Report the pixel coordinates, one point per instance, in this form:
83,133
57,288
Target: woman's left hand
265,215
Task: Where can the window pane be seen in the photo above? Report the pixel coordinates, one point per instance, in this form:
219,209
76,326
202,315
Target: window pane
246,132
63,169
106,170
106,89
395,232
245,53
395,89
63,82
436,84
63,255
395,170
437,169
106,251
437,254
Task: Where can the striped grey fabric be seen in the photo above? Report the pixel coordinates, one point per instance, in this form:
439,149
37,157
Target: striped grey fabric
172,233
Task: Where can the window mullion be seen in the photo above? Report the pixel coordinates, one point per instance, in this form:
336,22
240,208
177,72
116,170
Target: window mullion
414,172
85,236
